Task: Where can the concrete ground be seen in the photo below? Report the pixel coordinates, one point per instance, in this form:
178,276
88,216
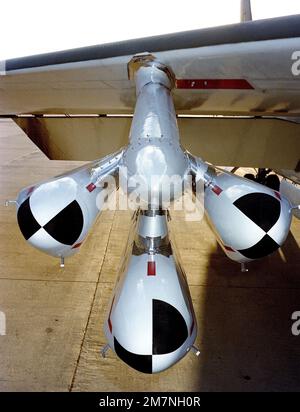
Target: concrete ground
54,316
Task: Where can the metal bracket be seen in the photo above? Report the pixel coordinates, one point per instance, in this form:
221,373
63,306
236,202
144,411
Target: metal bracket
104,350
244,268
137,61
169,218
296,207
195,350
146,60
10,202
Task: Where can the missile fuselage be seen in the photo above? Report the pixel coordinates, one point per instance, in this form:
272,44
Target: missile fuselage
55,216
154,155
151,322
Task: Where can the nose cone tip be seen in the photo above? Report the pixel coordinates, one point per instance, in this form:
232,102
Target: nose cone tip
161,363
53,230
149,363
155,364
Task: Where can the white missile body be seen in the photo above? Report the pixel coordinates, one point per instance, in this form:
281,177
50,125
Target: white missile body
250,220
154,155
55,216
292,192
151,322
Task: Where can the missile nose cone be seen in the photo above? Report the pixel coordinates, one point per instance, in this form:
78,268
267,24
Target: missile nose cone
261,208
170,340
51,217
55,215
270,214
251,220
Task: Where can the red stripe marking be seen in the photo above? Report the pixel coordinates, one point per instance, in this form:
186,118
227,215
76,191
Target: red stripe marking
277,194
110,325
77,245
213,84
229,248
217,190
91,187
30,190
151,269
109,321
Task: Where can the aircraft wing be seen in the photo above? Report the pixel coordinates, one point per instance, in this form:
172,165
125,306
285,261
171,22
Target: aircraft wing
241,79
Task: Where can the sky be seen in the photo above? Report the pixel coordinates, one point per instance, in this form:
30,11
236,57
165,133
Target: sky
35,26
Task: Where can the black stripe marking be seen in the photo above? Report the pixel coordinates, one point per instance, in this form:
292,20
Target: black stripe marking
169,328
262,209
67,225
264,247
267,29
27,222
142,363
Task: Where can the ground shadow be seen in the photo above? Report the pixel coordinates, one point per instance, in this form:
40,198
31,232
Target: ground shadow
244,323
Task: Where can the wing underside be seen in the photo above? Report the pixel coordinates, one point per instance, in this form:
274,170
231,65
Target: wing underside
246,72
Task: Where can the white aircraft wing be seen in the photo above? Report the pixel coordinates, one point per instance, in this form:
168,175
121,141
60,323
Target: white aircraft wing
247,73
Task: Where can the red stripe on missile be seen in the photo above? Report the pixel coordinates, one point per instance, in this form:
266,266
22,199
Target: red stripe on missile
277,194
217,190
30,190
151,269
91,187
109,321
229,249
110,325
77,245
213,84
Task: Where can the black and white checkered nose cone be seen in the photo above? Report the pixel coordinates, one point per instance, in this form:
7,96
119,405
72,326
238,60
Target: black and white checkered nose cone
55,216
251,220
51,218
169,332
65,227
264,211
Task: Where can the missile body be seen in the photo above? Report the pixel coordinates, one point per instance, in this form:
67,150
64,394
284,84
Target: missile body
151,322
56,215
